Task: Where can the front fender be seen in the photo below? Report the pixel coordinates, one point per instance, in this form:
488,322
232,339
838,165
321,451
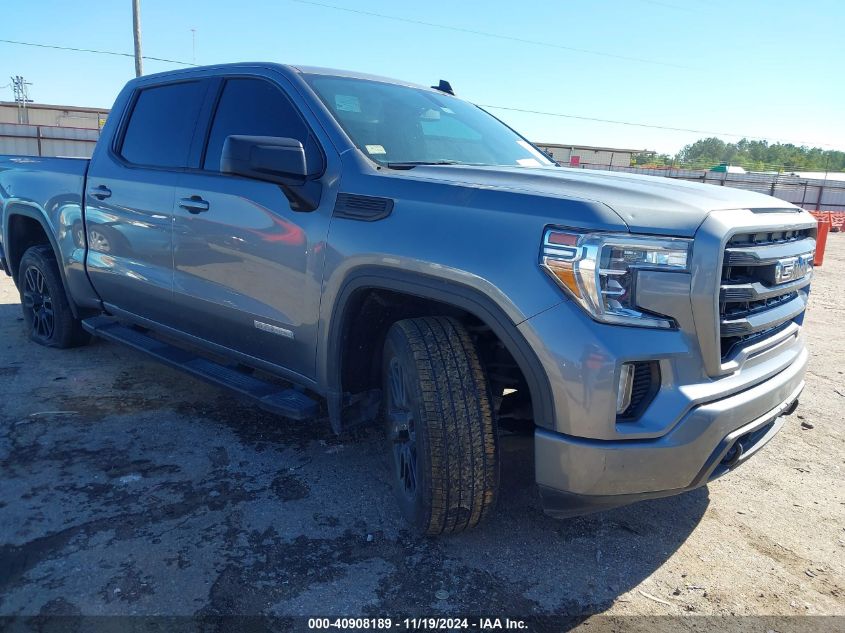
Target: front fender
502,320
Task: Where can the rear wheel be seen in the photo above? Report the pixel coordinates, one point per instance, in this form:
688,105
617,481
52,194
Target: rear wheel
440,428
46,312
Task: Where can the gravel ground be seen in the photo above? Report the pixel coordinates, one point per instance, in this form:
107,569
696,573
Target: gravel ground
129,488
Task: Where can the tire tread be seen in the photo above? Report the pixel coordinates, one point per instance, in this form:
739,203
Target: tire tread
462,440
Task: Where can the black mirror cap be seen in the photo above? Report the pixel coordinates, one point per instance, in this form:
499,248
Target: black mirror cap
272,158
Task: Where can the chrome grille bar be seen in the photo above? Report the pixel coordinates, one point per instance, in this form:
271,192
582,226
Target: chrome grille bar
769,254
757,290
765,319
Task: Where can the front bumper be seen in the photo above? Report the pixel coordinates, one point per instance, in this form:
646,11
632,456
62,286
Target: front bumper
577,475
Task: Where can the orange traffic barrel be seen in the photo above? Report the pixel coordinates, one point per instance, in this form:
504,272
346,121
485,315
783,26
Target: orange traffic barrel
821,240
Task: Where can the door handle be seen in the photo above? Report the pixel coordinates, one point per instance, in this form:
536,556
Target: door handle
100,193
194,204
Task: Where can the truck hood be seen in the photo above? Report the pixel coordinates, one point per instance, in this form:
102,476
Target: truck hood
647,204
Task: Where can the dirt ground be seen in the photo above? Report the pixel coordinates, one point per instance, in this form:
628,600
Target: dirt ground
129,488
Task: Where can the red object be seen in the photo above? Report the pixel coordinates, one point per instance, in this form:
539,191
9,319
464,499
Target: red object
837,220
574,161
566,239
821,240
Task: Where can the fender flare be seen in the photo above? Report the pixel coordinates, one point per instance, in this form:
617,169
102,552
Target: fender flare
459,295
24,210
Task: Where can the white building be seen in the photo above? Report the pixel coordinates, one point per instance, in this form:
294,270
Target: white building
575,155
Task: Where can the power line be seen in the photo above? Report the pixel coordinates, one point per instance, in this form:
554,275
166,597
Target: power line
667,5
500,36
653,126
93,50
497,107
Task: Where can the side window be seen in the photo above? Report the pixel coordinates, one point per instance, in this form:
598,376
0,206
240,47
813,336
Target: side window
257,108
162,123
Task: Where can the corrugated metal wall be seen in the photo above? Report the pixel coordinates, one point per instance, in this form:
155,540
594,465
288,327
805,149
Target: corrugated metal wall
55,116
47,140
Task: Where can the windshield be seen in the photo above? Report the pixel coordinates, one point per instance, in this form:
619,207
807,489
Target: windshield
400,126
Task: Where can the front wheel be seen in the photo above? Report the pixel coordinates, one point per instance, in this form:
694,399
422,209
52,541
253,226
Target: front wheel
46,312
441,434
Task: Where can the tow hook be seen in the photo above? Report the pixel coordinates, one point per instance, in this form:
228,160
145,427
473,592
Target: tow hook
747,441
734,454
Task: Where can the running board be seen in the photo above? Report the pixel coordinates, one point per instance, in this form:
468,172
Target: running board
289,403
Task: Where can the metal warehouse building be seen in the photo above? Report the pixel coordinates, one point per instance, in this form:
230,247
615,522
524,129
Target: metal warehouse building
576,155
49,130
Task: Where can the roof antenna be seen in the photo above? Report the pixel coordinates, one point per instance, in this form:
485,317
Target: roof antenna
444,86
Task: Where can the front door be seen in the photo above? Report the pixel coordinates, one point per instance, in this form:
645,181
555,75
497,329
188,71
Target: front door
247,268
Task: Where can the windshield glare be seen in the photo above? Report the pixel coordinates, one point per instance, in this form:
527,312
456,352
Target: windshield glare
395,124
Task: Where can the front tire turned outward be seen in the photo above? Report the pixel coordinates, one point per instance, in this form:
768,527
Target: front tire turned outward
46,312
441,433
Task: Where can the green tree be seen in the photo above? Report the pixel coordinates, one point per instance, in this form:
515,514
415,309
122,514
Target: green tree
760,156
651,159
710,151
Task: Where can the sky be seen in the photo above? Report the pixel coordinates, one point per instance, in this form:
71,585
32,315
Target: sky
758,68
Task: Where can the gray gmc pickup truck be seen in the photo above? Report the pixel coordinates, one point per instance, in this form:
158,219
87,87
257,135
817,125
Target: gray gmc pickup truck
326,242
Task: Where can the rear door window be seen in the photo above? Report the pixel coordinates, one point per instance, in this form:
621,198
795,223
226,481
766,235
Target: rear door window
161,126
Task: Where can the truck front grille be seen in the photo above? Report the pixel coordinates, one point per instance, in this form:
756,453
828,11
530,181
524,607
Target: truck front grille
763,284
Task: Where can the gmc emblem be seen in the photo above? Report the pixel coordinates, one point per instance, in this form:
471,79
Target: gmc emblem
792,268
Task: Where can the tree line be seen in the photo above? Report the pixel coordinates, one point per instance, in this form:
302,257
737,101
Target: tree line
751,155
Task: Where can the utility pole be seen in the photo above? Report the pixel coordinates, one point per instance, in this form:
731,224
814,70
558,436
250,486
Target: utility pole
194,45
20,86
136,28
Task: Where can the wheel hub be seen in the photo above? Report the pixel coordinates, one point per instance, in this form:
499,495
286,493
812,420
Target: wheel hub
98,242
401,428
38,302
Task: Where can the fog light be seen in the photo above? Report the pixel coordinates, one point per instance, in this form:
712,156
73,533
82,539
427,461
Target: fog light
626,385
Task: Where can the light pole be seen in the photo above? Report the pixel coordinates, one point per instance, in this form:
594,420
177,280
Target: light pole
136,28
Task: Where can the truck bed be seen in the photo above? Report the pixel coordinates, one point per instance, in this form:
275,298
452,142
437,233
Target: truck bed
48,191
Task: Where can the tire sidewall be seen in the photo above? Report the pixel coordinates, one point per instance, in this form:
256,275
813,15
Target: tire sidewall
417,511
32,258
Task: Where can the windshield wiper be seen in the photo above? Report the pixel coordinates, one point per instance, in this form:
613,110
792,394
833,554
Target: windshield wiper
416,163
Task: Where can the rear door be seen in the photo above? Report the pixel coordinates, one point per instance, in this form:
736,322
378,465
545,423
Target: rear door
248,267
129,200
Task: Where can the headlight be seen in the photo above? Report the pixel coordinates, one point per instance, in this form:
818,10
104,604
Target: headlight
599,271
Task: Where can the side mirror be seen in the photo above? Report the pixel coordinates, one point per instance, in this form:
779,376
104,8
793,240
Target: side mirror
271,158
